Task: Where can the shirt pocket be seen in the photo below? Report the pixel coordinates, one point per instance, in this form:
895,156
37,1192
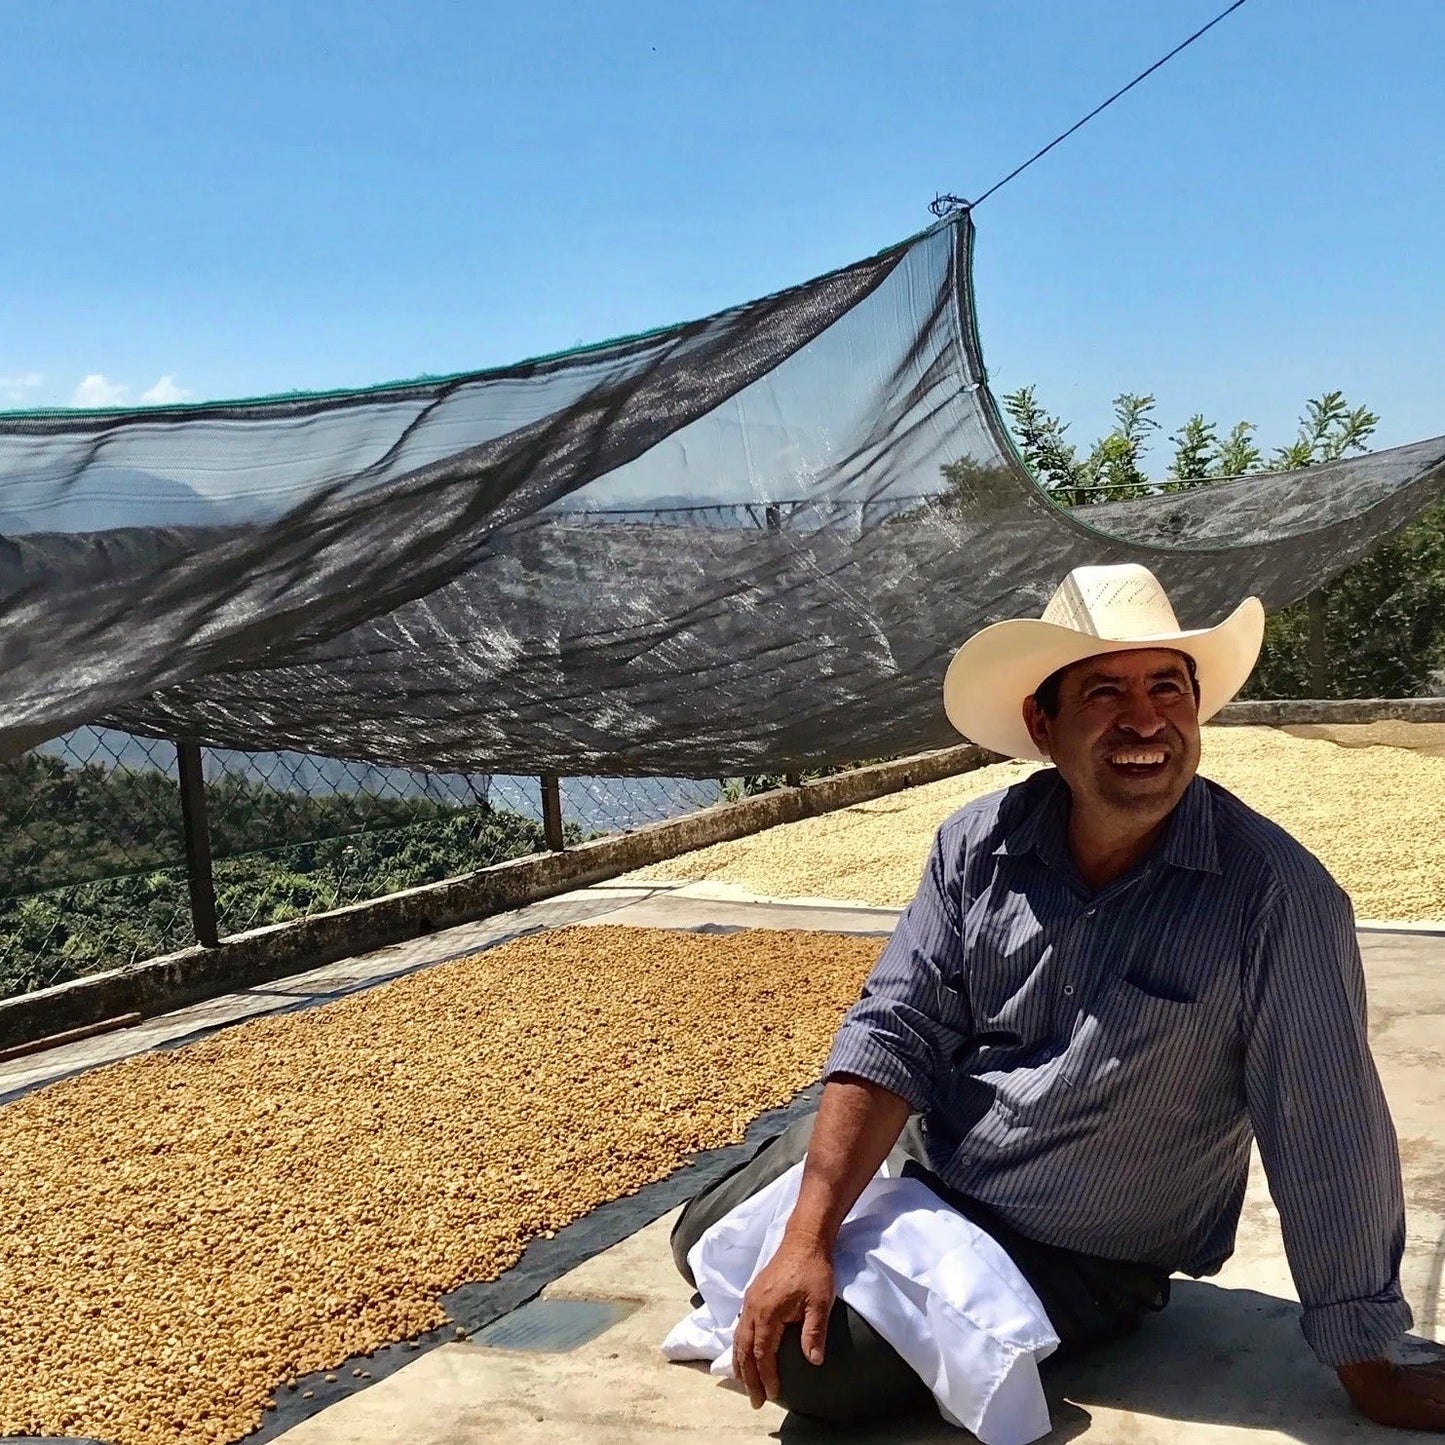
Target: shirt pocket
1007,953
1136,1042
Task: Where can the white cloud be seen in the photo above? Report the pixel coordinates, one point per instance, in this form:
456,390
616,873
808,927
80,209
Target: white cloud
96,390
21,386
165,392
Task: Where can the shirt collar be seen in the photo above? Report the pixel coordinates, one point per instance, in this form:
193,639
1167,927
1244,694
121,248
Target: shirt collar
1043,827
1188,840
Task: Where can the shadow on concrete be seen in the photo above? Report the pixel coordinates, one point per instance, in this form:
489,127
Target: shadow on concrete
1069,1422
1218,1356
1228,1358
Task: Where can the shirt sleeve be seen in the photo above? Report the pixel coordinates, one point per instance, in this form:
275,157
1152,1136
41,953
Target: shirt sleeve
1323,1127
906,1029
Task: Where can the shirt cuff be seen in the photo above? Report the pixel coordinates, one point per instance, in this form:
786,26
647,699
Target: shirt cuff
1357,1329
858,1050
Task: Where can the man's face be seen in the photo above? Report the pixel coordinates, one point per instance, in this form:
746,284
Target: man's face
1126,738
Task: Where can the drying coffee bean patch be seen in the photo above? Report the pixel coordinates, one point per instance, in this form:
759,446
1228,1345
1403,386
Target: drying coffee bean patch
1375,816
186,1232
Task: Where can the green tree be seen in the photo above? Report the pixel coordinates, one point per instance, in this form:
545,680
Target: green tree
1040,436
1329,430
1201,456
1382,625
1384,617
974,488
1196,449
1237,455
1113,469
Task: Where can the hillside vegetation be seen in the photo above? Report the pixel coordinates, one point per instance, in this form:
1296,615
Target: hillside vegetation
95,864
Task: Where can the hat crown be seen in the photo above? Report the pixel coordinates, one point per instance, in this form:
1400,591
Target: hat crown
1114,602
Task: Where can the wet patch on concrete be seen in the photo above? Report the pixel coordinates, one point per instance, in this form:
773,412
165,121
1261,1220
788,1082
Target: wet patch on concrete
554,1326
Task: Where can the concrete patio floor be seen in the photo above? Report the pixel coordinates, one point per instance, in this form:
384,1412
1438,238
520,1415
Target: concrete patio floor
1225,1362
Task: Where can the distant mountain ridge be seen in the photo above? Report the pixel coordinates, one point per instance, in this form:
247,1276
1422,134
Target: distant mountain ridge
110,497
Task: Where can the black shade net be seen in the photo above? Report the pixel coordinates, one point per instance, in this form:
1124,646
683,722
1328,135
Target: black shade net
729,545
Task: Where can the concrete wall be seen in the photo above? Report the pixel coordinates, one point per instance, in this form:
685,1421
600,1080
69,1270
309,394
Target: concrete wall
1274,714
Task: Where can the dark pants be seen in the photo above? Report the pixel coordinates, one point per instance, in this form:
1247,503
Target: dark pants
1088,1300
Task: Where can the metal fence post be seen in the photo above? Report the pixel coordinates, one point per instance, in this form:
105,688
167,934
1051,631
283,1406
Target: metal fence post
552,812
198,843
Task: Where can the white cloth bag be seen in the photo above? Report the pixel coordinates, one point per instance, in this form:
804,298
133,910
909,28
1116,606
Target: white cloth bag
931,1282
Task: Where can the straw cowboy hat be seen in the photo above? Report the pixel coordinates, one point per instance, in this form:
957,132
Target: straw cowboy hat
1095,610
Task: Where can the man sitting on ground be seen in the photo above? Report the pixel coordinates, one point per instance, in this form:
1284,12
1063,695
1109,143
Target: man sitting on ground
1114,975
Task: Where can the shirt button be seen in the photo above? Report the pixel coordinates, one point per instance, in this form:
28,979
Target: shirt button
1068,990
1090,912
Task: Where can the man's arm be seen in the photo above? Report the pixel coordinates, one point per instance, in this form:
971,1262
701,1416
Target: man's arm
1329,1150
858,1123
896,1043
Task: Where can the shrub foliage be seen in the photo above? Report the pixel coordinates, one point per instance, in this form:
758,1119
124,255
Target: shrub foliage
94,860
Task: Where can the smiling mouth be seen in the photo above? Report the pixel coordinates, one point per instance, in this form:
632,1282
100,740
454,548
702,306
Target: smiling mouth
1139,762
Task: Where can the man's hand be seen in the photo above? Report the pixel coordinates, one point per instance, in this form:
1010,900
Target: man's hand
858,1123
1409,1397
797,1284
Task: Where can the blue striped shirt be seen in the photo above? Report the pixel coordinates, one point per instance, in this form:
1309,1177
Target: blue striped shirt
1094,1065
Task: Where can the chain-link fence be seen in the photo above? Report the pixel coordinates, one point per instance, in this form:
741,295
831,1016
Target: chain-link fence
100,870
94,858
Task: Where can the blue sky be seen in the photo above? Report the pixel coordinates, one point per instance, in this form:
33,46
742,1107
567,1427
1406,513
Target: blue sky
206,201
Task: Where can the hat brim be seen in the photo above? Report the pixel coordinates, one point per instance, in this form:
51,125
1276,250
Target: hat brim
996,669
